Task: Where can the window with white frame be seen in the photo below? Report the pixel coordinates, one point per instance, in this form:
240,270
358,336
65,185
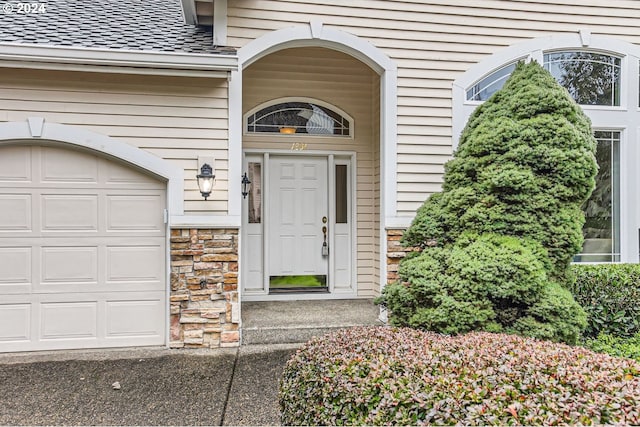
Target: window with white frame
602,211
591,78
603,76
298,117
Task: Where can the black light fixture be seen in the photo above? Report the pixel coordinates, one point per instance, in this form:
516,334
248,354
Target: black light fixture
205,180
246,185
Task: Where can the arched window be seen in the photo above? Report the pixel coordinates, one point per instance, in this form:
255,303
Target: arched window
489,85
591,78
602,76
299,117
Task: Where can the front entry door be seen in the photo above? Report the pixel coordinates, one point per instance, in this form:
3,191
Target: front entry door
298,224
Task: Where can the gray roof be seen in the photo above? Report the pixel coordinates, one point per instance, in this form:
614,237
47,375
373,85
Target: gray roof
145,25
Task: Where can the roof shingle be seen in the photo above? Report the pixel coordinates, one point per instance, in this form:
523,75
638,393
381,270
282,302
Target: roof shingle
145,25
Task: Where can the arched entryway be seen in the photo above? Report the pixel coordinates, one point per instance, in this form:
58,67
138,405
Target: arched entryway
313,65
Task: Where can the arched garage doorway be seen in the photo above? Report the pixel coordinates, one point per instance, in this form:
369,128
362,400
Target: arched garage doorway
82,249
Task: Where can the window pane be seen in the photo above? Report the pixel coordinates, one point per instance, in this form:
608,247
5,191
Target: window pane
602,211
298,117
486,87
255,193
591,78
341,194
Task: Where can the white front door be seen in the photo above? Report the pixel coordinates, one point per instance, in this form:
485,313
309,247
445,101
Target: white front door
298,223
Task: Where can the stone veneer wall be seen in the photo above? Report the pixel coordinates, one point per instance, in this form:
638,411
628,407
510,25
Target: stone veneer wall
204,288
395,253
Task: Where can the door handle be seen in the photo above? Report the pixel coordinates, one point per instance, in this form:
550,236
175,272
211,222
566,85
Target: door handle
325,246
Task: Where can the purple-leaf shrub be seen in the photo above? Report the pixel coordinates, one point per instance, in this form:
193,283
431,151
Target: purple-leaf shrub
402,376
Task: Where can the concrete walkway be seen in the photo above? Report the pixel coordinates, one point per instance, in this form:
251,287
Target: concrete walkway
298,321
157,387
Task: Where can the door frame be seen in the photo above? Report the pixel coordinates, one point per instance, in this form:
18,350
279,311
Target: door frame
333,158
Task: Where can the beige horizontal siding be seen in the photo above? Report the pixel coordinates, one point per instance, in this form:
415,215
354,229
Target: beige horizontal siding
433,42
177,119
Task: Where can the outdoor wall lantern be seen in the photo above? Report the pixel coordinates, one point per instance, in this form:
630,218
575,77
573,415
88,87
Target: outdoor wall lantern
205,180
246,185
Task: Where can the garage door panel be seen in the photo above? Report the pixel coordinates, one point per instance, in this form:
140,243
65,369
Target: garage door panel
15,165
135,317
135,212
69,212
133,263
64,320
122,176
15,265
15,322
15,212
66,166
69,265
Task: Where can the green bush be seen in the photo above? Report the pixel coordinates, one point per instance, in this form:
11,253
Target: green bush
389,376
610,294
489,282
615,346
524,166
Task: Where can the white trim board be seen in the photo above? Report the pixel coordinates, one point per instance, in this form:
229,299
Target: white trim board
116,61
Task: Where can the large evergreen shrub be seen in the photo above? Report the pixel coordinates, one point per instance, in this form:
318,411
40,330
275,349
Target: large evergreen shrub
524,166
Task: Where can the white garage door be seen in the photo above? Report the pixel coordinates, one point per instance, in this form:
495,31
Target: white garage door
82,251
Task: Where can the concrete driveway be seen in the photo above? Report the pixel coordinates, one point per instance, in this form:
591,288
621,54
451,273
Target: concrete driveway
157,387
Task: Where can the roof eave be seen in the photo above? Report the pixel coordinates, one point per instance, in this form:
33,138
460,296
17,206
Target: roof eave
116,61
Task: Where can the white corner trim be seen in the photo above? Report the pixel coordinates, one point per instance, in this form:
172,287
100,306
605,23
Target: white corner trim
235,145
189,12
219,22
111,60
21,133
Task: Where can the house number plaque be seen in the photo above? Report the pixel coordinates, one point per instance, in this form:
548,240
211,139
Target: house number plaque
298,146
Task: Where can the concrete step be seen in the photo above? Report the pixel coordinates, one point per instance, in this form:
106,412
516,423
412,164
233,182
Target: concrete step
286,322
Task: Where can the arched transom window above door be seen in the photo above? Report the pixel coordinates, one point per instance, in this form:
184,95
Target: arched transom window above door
298,116
602,75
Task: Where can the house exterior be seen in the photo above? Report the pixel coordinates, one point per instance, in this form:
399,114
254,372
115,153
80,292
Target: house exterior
326,125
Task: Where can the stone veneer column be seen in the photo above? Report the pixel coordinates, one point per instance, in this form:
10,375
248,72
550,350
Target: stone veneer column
395,253
204,288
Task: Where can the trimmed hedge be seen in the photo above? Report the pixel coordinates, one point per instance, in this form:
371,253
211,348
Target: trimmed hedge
610,294
402,376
